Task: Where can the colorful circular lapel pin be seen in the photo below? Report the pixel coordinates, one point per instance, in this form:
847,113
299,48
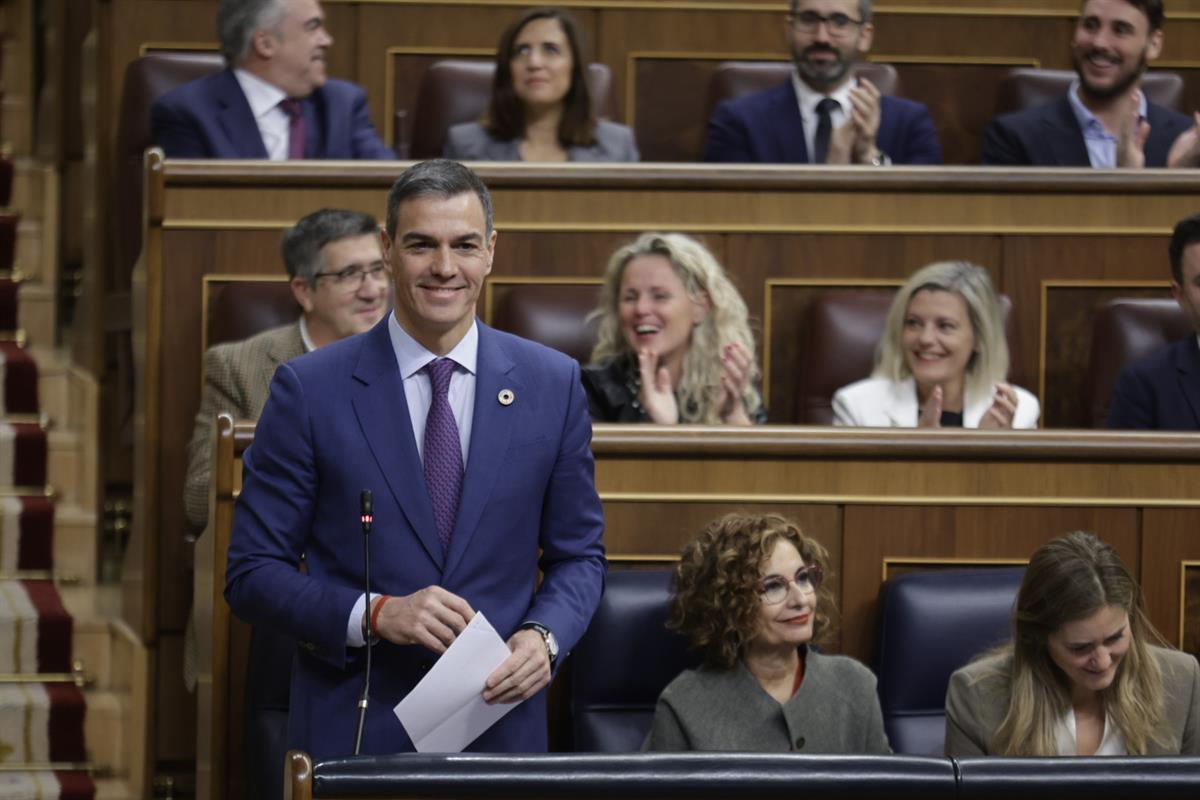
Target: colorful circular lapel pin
506,397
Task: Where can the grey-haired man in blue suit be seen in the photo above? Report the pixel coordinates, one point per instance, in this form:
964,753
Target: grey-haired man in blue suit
273,99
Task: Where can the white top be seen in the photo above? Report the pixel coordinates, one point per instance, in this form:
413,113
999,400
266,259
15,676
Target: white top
264,99
1113,743
809,98
881,403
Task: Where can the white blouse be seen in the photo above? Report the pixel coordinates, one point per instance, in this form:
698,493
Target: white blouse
1112,744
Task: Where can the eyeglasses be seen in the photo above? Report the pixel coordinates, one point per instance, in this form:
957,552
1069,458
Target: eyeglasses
352,278
837,24
775,589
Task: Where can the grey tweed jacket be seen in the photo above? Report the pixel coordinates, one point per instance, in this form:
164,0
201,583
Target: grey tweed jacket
977,700
237,377
836,710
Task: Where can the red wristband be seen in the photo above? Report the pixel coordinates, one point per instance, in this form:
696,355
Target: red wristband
379,601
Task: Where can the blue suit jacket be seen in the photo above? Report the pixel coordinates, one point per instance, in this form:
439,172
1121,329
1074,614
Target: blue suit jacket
765,127
1049,136
336,423
210,118
1160,391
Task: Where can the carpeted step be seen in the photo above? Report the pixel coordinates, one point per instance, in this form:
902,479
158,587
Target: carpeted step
35,629
9,288
23,450
6,180
41,723
26,534
47,786
8,240
18,379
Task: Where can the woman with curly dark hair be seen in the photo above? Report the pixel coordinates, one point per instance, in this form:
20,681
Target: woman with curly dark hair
749,593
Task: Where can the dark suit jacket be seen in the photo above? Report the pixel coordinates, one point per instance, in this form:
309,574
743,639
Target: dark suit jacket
210,118
335,423
1049,136
1161,391
765,127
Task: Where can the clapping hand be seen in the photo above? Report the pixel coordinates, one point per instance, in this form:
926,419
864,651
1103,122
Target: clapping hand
1185,152
865,115
657,395
1003,409
1131,143
735,375
931,414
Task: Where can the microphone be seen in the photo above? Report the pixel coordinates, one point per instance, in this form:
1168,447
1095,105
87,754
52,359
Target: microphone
366,517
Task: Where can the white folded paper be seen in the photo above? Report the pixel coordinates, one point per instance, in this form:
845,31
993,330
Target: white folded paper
446,712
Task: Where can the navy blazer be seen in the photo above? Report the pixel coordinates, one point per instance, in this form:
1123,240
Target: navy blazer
1049,136
210,118
335,423
765,127
1160,391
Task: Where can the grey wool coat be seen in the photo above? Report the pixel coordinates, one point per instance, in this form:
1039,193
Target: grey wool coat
836,710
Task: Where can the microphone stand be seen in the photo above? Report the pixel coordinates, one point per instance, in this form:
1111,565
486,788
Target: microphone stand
366,507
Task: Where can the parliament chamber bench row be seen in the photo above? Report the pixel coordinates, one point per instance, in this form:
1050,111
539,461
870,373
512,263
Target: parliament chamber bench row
902,513
741,775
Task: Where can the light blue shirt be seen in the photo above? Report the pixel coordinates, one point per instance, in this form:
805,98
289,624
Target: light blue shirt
411,358
1101,145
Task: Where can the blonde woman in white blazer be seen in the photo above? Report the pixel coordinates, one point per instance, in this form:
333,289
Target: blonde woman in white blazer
942,360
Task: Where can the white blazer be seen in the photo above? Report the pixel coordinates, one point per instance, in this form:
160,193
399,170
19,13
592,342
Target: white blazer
882,403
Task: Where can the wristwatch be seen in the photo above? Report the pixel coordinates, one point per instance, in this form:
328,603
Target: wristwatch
547,637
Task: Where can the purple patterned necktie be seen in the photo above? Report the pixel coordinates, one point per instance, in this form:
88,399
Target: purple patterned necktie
443,451
297,129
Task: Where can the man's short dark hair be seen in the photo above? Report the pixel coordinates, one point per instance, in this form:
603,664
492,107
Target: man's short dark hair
440,178
1187,232
864,9
237,20
1153,9
302,243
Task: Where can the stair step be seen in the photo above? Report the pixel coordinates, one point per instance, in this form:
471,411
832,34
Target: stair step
102,732
67,469
92,608
76,542
28,256
114,789
36,313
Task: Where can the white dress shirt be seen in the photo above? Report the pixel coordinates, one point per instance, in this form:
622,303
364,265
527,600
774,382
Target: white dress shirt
411,358
1113,743
809,97
264,99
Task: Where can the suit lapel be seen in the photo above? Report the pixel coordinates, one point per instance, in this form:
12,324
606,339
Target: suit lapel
789,133
314,120
382,411
491,430
1187,358
1064,135
286,347
237,120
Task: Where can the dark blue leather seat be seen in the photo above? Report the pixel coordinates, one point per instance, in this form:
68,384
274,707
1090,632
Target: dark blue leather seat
931,624
624,661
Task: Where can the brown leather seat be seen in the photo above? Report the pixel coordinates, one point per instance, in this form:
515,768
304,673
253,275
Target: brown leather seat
146,79
1125,330
1025,88
454,91
737,78
841,331
552,314
238,309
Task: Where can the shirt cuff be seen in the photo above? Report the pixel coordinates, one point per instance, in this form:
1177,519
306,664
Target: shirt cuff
354,625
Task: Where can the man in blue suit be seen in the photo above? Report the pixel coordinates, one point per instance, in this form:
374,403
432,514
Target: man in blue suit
824,115
1104,120
273,100
476,447
1162,391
